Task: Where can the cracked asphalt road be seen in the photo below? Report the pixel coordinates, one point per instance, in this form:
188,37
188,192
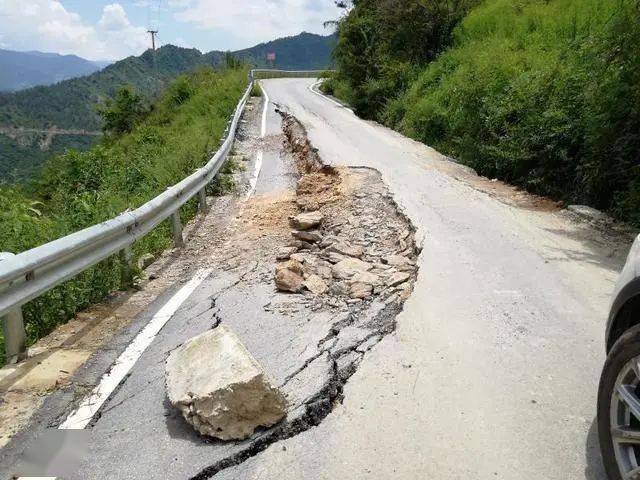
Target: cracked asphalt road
310,344
493,369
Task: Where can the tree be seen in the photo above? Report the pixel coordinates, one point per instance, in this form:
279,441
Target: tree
121,114
231,61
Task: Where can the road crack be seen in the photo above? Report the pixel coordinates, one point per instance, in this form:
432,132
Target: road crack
363,227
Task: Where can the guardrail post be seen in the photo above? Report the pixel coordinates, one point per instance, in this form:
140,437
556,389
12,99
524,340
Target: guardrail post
202,199
15,336
176,228
126,255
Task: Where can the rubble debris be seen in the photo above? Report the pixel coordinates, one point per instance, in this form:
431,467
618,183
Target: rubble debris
351,241
227,399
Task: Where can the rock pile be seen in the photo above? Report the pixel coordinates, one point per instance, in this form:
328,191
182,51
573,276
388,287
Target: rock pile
349,250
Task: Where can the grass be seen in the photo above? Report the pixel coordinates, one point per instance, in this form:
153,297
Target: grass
541,93
256,91
79,189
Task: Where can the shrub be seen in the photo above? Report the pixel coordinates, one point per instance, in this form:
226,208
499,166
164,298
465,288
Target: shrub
381,42
256,91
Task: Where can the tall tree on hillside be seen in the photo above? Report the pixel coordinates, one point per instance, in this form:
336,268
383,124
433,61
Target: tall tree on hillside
120,115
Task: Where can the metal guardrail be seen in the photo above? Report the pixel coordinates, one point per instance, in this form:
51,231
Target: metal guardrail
26,276
269,73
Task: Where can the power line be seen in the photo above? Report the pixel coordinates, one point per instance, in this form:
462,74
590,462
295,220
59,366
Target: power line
153,26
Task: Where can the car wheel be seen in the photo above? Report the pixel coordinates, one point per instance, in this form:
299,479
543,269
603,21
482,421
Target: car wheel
619,408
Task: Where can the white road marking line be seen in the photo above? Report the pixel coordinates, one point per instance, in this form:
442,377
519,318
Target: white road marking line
263,131
80,418
254,179
320,94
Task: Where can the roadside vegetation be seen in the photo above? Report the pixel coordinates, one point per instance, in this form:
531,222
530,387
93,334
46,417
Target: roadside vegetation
543,94
145,150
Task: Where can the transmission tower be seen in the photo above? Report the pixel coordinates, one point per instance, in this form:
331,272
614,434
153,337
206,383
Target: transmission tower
153,38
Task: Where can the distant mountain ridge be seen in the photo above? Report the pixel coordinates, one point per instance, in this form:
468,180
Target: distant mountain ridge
20,70
305,51
71,104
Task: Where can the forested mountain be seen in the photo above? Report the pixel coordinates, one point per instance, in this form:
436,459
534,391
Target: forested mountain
71,105
27,116
302,52
19,70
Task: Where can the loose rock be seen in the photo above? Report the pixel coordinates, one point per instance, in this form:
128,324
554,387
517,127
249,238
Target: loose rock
397,260
220,388
289,276
366,277
145,260
306,221
285,253
316,285
361,290
310,237
349,250
347,268
398,278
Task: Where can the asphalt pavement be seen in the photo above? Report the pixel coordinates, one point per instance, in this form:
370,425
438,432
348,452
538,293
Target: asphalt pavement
493,369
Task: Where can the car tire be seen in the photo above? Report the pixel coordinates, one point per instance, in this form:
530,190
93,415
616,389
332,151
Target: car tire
624,350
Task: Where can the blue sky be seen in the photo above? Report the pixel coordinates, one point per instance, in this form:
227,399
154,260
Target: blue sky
110,30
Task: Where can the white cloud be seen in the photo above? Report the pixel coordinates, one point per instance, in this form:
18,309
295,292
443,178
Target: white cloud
114,18
257,21
46,25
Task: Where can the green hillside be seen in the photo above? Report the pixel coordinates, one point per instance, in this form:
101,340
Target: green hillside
71,104
80,189
541,93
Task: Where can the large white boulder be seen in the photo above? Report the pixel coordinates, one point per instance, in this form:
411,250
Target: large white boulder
220,388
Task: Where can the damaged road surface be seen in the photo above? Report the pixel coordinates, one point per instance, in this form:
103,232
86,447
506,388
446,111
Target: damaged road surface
493,368
423,322
354,255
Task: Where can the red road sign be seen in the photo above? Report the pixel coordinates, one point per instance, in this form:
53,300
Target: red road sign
271,57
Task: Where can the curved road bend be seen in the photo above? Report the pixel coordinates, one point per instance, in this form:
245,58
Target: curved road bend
493,370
